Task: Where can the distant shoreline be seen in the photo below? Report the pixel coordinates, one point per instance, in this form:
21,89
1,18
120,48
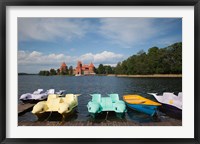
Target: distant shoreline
148,76
27,74
120,75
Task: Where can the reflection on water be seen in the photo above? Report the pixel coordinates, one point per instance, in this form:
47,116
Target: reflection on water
104,85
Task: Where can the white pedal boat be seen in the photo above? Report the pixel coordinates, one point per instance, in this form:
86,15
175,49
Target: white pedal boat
171,103
37,95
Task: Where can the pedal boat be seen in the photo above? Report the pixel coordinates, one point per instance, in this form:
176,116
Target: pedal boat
36,96
171,103
100,104
55,103
141,104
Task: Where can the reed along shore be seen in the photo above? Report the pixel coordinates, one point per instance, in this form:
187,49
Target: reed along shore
150,76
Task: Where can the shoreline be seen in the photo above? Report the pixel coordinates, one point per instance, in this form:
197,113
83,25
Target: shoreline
149,76
122,75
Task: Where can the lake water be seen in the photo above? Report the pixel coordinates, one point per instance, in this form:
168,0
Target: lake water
86,85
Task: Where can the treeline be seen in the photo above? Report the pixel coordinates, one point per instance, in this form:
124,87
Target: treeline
64,71
26,74
166,60
157,61
104,69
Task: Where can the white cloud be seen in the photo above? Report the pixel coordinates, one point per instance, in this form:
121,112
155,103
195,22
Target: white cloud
40,61
104,57
37,58
48,29
35,54
88,57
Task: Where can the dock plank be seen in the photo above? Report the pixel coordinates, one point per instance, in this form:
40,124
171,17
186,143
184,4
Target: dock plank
105,123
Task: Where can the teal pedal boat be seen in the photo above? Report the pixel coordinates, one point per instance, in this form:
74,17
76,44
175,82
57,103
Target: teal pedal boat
100,104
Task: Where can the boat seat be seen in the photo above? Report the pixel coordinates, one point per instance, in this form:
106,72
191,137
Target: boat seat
51,91
132,98
52,96
69,98
168,94
96,98
60,92
39,91
53,102
180,96
107,104
114,97
136,101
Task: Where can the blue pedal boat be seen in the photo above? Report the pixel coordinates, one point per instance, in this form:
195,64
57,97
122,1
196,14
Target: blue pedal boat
141,104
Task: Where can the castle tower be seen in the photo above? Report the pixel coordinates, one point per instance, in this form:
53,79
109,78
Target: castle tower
63,67
79,68
91,68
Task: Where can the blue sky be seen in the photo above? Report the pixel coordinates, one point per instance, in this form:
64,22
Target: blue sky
45,43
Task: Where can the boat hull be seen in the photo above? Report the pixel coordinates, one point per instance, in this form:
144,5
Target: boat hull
171,111
33,101
93,115
147,109
55,115
118,115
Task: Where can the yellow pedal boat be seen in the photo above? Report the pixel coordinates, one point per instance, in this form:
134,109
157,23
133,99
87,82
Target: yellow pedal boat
55,103
141,104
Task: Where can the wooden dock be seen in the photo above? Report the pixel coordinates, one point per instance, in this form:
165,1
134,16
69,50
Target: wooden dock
23,108
104,123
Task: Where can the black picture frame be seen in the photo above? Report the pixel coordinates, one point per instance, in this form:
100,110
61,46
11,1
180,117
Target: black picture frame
5,3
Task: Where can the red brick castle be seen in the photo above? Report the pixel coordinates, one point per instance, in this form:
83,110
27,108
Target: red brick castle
86,69
63,67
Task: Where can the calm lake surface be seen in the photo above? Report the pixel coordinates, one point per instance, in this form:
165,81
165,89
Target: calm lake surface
86,85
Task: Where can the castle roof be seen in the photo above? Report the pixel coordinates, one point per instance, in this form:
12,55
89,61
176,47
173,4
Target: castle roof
91,64
63,64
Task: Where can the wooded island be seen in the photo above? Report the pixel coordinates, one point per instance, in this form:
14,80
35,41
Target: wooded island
166,60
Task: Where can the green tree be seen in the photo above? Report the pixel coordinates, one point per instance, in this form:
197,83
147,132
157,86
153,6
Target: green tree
53,72
118,68
101,69
41,73
95,70
71,70
46,73
166,60
67,71
58,71
124,67
108,69
63,73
